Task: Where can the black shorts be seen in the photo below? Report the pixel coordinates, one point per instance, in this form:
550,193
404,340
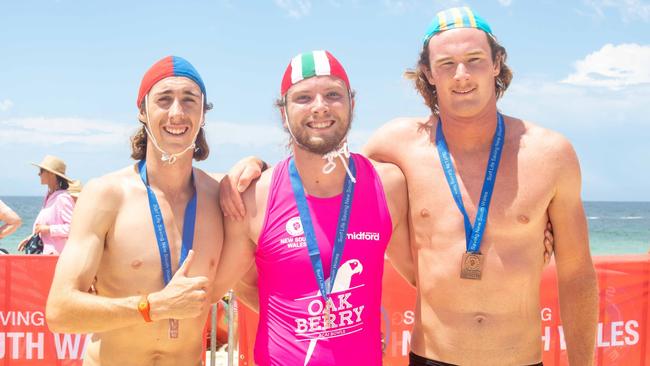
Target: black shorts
415,360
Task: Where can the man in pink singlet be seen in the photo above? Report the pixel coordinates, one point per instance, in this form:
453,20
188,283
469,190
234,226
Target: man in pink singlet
318,226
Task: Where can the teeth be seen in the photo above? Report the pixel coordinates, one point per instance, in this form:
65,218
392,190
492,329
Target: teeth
320,124
176,130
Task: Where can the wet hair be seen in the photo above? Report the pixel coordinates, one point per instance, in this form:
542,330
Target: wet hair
62,183
428,91
139,141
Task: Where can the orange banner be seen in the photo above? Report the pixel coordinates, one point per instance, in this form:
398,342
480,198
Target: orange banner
622,339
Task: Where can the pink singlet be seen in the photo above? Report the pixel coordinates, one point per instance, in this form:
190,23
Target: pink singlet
294,327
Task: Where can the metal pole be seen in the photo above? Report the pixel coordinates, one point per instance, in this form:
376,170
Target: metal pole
231,328
213,335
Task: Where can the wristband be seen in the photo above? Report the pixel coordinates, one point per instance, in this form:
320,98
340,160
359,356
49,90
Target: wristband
143,308
264,165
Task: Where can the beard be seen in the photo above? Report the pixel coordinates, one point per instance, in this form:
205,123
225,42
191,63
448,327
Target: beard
320,145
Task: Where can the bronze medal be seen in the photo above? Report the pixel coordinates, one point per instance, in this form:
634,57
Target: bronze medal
173,328
471,266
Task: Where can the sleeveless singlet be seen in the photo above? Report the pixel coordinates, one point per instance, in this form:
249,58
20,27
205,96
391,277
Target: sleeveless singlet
294,328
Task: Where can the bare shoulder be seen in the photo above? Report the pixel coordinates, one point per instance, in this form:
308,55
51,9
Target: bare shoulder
110,188
207,182
388,142
541,141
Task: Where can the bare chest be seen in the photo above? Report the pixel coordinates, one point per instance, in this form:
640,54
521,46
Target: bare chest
131,262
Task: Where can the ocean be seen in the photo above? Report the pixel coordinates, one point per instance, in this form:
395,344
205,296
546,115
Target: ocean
614,227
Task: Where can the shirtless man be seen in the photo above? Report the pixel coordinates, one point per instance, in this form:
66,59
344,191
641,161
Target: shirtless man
292,212
142,313
478,300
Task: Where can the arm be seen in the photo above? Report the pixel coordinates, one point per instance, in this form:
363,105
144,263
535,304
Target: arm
10,219
237,254
577,282
237,181
71,309
246,290
399,248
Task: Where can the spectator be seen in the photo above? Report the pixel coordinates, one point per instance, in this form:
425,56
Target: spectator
53,221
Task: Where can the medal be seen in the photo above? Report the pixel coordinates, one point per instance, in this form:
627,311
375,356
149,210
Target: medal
310,235
471,266
173,328
161,235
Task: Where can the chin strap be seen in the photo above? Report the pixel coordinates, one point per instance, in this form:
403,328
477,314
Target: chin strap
165,156
342,153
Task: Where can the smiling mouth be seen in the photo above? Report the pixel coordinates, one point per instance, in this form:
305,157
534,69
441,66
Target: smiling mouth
175,131
464,91
320,125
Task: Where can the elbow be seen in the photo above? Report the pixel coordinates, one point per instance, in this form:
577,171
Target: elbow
55,316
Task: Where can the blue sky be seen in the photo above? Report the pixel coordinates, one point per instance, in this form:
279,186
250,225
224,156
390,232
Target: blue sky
70,70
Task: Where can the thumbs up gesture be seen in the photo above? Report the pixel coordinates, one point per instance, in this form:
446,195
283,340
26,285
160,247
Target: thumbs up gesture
183,297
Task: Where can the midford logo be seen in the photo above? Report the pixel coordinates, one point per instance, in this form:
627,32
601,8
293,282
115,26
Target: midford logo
363,235
294,226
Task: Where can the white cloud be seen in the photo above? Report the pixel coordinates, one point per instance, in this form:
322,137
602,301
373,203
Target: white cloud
5,105
295,8
613,67
505,2
50,131
628,9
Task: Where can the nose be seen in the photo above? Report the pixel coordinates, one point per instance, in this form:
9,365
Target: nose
461,72
176,111
319,105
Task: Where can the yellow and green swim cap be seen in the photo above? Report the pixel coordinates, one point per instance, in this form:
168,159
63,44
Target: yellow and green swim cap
461,17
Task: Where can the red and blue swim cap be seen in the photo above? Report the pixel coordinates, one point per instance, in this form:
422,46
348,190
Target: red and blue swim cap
168,67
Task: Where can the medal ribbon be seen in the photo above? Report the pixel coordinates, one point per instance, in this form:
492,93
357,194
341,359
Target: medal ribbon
473,235
308,227
159,225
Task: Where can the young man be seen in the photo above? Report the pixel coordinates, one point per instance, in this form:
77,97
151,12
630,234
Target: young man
318,226
478,276
146,238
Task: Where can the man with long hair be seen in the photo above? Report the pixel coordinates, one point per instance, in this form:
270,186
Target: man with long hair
482,187
146,238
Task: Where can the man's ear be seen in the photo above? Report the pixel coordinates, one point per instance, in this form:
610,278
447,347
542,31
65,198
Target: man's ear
142,116
497,65
427,74
283,113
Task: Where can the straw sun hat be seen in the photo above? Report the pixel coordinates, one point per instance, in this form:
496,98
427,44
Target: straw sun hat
54,165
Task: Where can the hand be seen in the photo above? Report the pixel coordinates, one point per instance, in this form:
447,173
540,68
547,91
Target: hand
183,297
235,182
23,243
549,243
42,229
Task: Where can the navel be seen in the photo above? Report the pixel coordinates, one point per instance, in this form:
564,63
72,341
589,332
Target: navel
523,219
137,263
425,213
212,263
479,318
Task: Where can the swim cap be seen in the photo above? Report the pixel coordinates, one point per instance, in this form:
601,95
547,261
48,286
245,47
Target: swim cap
309,64
462,17
167,67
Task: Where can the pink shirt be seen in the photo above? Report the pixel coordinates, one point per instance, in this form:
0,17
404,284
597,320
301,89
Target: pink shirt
57,213
294,329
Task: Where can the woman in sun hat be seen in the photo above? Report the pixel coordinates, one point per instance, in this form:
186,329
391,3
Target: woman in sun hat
53,221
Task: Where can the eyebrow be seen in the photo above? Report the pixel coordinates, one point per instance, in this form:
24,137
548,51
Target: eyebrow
170,91
468,54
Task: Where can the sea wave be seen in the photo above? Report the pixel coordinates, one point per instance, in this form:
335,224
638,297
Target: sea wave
631,217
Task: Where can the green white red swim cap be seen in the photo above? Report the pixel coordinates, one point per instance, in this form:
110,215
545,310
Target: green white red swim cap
310,64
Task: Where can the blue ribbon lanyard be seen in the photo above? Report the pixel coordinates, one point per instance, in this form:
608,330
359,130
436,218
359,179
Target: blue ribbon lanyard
308,227
473,235
159,225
